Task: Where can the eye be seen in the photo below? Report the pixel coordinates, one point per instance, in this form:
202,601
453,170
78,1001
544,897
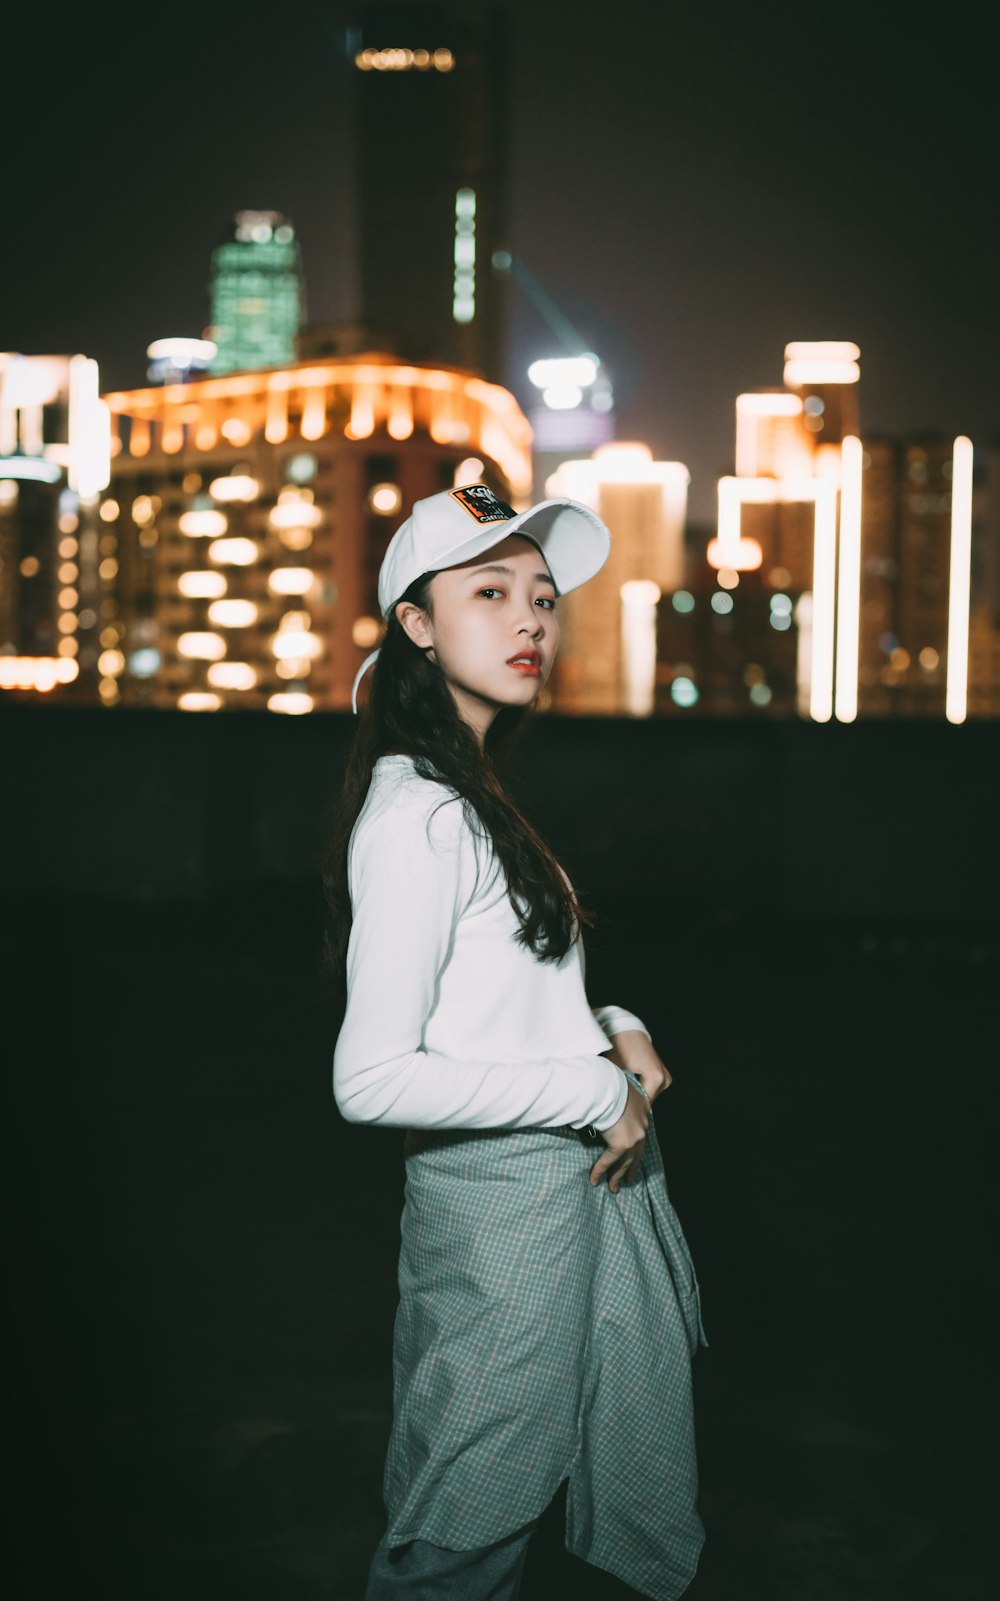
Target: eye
546,600
489,590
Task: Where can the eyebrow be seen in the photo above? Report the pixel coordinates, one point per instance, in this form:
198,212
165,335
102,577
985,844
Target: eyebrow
495,567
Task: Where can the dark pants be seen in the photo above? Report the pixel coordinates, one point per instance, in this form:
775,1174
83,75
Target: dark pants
420,1571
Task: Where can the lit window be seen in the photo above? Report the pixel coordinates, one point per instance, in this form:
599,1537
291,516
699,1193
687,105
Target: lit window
366,631
301,468
201,585
206,524
204,646
385,499
293,702
232,613
198,700
238,552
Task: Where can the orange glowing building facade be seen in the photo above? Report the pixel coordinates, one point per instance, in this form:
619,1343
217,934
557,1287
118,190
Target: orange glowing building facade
252,511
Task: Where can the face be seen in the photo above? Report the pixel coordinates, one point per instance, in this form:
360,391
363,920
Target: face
486,614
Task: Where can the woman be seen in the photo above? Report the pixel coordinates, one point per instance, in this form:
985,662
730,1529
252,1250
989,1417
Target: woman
546,1324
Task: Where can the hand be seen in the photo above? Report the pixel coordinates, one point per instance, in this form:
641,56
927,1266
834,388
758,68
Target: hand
632,1049
626,1143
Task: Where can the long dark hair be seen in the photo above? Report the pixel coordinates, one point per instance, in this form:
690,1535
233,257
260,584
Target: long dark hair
410,710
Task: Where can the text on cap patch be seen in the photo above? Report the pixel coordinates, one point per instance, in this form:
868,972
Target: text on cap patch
482,504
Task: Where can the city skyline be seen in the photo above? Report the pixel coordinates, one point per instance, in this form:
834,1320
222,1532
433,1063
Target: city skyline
823,182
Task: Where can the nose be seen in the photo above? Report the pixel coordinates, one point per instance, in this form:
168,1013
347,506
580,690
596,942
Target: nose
532,621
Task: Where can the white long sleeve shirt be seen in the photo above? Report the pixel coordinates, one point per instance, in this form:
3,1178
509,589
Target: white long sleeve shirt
450,1022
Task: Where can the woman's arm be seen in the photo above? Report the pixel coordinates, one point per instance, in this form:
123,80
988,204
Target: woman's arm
615,1020
632,1049
412,874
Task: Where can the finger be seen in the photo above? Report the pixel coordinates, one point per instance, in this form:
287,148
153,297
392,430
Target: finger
619,1177
604,1163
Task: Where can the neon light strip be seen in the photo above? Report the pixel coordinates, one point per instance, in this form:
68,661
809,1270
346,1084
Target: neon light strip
849,579
824,597
956,693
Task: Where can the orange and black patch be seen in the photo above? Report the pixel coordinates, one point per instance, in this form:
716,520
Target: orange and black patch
482,504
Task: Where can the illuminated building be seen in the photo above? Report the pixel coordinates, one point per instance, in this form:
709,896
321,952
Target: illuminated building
432,109
984,665
57,555
798,475
607,653
927,609
877,543
257,294
255,509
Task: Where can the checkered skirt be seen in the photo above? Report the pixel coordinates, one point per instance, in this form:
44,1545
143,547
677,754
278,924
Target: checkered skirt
545,1330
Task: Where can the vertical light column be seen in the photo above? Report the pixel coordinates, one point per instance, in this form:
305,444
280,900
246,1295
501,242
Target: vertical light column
824,594
849,579
8,409
463,302
956,692
729,522
276,414
314,412
89,468
400,424
802,614
639,597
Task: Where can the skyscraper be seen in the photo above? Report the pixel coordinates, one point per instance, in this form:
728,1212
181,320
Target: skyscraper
257,294
431,117
607,657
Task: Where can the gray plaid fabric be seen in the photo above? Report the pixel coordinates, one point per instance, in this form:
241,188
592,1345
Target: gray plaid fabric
545,1330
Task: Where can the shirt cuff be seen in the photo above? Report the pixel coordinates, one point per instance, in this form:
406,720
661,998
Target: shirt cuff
612,1117
615,1020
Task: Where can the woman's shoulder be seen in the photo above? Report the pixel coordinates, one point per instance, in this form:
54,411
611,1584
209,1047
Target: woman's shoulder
397,772
401,800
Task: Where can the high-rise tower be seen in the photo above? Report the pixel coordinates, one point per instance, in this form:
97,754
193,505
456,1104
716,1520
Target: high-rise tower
257,295
431,117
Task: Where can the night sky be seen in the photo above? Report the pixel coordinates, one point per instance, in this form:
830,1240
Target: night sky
694,184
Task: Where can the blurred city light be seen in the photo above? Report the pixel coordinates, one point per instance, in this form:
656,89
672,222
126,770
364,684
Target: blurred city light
175,360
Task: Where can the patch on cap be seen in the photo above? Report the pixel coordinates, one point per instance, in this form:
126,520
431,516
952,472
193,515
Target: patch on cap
482,504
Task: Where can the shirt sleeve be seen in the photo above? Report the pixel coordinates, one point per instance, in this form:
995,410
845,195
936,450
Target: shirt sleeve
412,872
615,1020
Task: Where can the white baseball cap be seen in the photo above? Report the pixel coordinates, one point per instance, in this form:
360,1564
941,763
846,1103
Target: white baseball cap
446,529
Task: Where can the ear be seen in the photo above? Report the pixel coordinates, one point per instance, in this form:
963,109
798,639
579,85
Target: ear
415,623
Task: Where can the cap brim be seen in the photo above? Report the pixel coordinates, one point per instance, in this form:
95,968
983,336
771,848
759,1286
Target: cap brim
572,538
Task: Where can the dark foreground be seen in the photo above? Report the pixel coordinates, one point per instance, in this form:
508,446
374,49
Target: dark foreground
201,1254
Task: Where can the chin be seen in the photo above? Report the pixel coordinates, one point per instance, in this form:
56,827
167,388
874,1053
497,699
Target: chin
520,693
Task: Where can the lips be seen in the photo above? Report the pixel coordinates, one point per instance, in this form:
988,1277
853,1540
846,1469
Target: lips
525,658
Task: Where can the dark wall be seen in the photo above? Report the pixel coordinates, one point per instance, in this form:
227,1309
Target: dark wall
873,820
